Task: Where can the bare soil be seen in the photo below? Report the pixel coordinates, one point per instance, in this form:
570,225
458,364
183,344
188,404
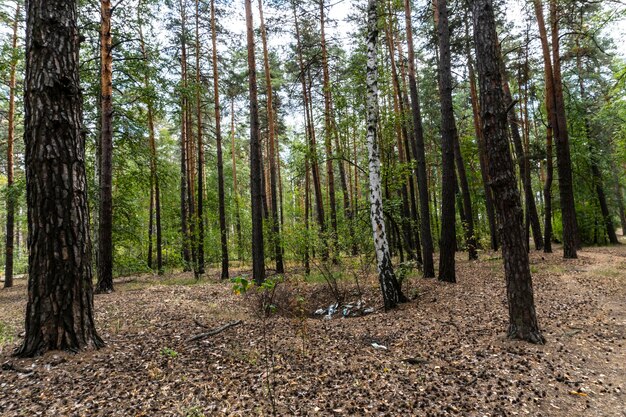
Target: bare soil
446,350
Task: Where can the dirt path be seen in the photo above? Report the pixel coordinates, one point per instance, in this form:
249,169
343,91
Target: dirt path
446,351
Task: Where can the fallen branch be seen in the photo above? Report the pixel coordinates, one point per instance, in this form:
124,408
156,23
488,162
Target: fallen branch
215,331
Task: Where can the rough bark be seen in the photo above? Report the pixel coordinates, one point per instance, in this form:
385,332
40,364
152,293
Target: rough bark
419,154
155,189
256,191
59,312
559,129
447,243
235,185
184,131
278,249
11,197
310,130
482,152
328,128
200,168
522,158
105,225
522,318
388,283
220,156
547,194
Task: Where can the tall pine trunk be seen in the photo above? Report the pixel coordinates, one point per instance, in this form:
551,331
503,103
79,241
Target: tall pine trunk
11,197
256,186
447,243
419,154
59,312
278,249
388,283
155,189
220,157
522,317
199,219
105,225
328,133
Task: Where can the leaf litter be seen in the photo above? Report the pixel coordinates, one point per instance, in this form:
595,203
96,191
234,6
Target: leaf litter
443,354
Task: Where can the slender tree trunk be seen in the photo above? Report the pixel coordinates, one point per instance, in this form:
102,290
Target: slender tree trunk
522,158
235,185
278,249
184,157
59,312
407,212
310,129
620,205
482,152
11,197
389,285
448,133
522,318
328,132
155,189
419,154
307,205
200,179
403,104
105,227
151,221
468,222
554,90
547,194
258,255
218,145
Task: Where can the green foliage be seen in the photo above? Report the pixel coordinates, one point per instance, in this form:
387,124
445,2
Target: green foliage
169,353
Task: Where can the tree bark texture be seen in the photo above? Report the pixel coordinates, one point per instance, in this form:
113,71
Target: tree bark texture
388,283
220,157
328,133
11,197
59,312
522,318
256,186
447,244
419,154
105,225
278,249
200,212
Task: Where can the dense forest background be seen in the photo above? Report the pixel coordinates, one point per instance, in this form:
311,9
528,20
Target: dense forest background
163,70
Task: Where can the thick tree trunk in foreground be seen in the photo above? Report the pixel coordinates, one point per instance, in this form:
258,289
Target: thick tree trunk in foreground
256,186
419,154
105,225
59,313
522,317
388,282
11,197
447,244
220,157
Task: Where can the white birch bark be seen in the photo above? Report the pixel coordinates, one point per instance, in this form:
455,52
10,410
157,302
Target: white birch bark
388,283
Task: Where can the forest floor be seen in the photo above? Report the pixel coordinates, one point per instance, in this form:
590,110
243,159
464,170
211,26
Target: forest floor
446,351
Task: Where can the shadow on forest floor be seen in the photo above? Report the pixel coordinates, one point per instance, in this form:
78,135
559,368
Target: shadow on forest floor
446,351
